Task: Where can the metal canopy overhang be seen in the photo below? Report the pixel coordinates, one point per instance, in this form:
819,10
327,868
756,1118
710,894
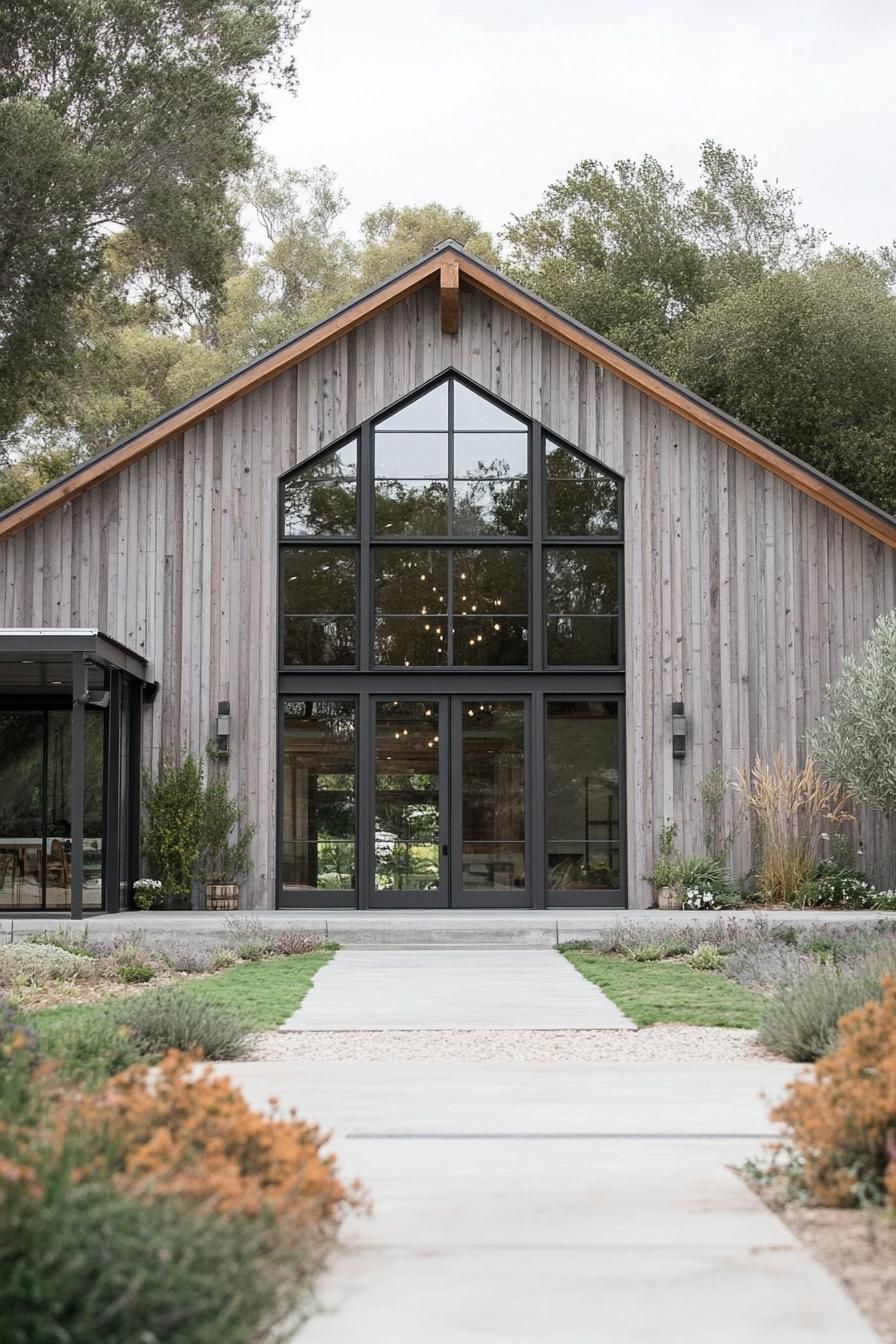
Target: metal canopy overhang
55,646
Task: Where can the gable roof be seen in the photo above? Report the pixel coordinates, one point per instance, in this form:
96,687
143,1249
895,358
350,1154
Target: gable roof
449,265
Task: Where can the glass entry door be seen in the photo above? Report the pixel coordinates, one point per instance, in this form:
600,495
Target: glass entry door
490,830
449,814
409,814
468,800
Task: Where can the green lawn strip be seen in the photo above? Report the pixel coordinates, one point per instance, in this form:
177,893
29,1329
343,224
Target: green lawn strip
664,991
264,992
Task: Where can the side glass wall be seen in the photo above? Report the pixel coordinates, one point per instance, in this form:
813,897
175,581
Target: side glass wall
35,809
21,809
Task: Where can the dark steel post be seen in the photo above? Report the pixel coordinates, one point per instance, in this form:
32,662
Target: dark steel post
112,797
79,697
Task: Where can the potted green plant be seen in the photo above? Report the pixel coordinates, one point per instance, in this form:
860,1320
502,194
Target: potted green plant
173,804
225,847
664,878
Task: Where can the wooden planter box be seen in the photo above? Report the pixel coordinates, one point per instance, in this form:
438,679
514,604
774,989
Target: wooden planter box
222,896
667,898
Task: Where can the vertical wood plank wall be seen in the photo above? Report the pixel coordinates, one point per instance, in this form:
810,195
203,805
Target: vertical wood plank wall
742,595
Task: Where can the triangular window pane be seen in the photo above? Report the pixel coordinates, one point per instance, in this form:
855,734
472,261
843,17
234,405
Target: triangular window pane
477,413
581,499
320,499
427,412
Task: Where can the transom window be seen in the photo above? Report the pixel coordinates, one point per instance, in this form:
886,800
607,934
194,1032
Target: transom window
451,532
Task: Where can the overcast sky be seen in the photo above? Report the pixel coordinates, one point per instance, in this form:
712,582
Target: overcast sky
483,103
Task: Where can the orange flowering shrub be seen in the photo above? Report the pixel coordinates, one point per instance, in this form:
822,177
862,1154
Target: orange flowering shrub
181,1131
220,1216
842,1121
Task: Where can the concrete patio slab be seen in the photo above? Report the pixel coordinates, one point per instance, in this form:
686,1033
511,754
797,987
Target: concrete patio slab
454,989
569,1203
680,1101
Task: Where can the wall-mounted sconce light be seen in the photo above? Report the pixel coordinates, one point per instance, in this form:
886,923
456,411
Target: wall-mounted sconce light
98,697
679,730
224,727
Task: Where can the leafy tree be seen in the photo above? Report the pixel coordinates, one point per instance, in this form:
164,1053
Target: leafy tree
393,237
855,744
629,250
808,358
122,114
133,358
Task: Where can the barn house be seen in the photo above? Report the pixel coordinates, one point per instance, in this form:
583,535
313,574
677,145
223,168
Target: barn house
468,600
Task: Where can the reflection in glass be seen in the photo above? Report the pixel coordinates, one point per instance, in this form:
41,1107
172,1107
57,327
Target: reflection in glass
35,809
21,809
581,500
471,411
406,806
583,833
411,456
410,606
318,792
582,606
491,508
493,815
318,641
58,846
411,508
491,607
427,412
320,500
499,456
319,605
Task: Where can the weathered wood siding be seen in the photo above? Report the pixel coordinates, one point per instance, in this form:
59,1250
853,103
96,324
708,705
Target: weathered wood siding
742,595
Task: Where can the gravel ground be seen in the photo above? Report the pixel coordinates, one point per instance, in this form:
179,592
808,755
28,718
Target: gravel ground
857,1246
661,1043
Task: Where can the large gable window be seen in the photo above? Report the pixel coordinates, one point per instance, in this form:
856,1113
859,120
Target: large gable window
451,532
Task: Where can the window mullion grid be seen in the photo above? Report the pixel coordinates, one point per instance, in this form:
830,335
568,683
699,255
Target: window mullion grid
538,615
451,457
365,559
449,606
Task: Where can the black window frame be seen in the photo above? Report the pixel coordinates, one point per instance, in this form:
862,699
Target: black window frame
535,543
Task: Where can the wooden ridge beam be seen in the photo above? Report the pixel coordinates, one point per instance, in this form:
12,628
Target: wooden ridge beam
449,296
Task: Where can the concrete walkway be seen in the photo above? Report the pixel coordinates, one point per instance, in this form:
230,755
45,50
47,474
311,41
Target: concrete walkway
557,1204
461,990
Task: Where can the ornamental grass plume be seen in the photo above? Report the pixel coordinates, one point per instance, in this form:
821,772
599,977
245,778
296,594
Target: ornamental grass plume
791,806
841,1121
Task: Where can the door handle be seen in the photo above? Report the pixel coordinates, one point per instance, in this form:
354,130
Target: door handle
445,851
